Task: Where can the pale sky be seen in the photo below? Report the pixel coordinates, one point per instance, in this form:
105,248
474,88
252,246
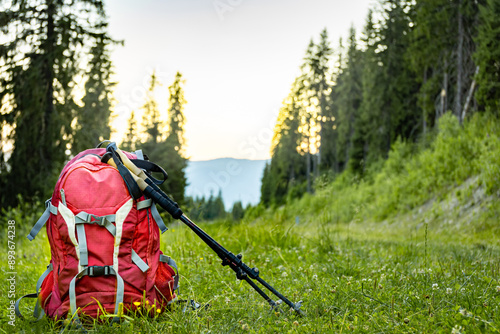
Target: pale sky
238,57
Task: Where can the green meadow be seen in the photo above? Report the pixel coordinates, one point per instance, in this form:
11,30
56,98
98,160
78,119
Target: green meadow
412,247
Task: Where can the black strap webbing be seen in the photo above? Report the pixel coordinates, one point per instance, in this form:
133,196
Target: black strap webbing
132,186
150,167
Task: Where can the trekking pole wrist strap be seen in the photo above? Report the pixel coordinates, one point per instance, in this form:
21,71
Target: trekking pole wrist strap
131,184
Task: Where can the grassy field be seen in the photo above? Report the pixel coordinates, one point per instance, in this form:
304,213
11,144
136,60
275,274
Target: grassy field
358,277
413,246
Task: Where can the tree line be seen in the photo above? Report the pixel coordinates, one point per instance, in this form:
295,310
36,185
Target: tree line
213,208
413,62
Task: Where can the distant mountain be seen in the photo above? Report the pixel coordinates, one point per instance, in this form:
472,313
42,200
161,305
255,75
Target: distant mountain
239,179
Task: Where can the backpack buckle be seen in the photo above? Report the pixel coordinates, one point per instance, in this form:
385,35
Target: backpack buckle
94,271
93,219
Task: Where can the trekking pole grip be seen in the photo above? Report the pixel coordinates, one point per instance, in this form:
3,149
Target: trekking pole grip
165,202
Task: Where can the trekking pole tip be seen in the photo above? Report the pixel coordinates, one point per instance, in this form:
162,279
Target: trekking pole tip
296,307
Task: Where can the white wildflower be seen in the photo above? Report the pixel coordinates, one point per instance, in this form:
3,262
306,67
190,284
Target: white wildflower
435,286
449,291
314,276
284,274
498,288
456,330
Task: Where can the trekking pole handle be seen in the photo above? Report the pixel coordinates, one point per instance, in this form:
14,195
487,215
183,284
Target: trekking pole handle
129,164
140,182
166,203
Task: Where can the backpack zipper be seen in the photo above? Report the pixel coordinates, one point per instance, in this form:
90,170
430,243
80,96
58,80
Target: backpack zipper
63,197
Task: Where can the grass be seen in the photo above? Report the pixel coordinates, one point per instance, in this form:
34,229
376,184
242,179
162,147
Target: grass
412,247
358,277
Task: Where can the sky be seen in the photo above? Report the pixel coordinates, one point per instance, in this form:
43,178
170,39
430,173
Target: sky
239,59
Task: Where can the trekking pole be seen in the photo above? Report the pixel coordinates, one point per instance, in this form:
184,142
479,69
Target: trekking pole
151,190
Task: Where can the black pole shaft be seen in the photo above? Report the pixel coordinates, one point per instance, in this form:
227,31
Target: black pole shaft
239,267
276,293
222,251
259,290
214,245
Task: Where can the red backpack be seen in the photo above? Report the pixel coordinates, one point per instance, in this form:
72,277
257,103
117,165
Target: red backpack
105,245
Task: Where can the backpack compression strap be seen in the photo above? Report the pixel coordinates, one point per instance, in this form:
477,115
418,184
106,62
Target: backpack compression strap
43,219
38,313
95,271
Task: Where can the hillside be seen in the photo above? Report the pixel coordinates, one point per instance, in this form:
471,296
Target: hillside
449,183
238,179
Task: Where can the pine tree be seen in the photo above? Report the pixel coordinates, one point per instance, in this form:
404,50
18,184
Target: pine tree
151,118
219,209
265,186
237,211
307,115
93,118
287,167
40,62
370,130
168,152
400,115
440,54
129,143
329,136
317,72
175,113
348,101
488,57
